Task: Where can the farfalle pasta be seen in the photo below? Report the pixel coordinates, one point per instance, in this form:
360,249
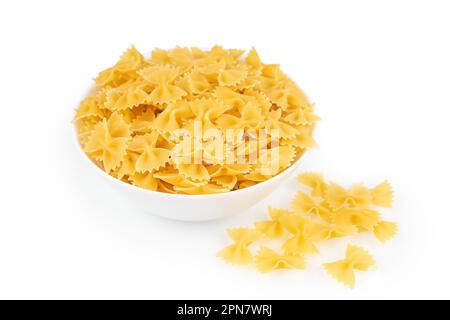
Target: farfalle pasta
268,259
273,228
108,141
323,211
195,114
304,234
356,258
238,252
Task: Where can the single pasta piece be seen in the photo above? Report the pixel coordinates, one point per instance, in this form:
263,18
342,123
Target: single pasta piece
268,260
238,252
356,258
357,196
108,142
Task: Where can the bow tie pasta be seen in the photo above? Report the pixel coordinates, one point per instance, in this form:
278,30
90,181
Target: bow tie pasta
196,121
322,212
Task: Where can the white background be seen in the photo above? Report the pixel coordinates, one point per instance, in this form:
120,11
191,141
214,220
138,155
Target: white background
378,72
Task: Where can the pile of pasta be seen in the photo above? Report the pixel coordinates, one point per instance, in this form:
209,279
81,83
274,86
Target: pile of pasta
327,211
126,124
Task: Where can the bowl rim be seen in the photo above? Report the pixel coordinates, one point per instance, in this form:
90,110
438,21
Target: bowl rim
280,175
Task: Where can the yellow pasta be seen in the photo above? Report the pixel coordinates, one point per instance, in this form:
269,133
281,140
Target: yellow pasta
172,93
162,78
128,166
122,99
315,181
169,119
382,194
362,219
108,142
305,233
268,259
356,196
324,211
227,182
238,252
304,203
143,123
122,71
152,158
356,258
273,228
88,109
145,180
192,121
338,227
171,176
385,230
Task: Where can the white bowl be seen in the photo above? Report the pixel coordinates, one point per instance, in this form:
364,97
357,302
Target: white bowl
191,207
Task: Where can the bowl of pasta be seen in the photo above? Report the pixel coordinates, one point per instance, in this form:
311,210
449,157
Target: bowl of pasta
193,134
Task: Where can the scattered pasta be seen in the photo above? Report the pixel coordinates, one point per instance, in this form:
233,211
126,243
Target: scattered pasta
140,122
326,211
